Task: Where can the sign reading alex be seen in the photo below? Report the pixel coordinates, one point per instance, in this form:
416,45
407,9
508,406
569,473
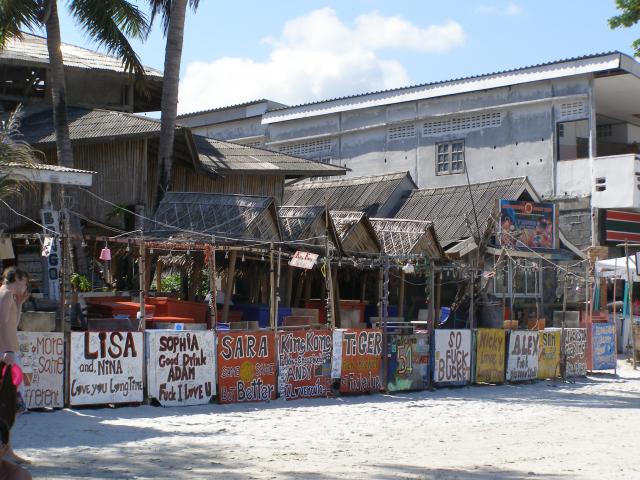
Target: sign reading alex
304,364
490,355
549,354
42,356
452,357
522,359
181,367
246,367
357,360
575,352
408,362
528,223
106,367
603,341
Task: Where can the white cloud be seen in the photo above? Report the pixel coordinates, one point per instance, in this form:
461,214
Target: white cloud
317,56
510,9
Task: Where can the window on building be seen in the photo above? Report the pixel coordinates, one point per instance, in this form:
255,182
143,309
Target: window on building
450,157
573,140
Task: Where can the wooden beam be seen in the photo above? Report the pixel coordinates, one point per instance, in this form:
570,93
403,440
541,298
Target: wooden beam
401,295
228,290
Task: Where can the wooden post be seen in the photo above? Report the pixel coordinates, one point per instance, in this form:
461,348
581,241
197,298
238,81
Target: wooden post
380,285
213,307
307,285
142,270
432,290
363,287
272,290
337,319
277,291
615,327
289,287
228,290
159,268
401,294
630,290
438,294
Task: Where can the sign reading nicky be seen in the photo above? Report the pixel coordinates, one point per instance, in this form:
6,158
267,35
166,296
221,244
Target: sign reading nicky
181,367
490,355
42,356
246,367
359,355
106,367
304,364
522,361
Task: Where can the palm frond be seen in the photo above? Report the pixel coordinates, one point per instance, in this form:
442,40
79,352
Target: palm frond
162,9
14,153
109,23
15,16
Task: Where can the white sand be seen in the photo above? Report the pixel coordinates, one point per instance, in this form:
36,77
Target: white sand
590,429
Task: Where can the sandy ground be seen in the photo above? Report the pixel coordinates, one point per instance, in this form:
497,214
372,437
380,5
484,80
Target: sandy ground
590,429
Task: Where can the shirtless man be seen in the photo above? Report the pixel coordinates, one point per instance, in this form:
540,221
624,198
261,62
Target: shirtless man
13,293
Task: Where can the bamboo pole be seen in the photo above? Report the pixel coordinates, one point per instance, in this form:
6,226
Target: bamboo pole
213,307
401,294
272,289
228,290
277,299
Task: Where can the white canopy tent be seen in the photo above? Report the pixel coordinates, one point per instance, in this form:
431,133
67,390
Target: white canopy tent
617,268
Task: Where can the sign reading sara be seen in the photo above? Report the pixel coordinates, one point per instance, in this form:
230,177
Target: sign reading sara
106,367
452,355
408,362
522,361
575,352
357,357
181,367
549,354
304,364
42,356
490,355
246,367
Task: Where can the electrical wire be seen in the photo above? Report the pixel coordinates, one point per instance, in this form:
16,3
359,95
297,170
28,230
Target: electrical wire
53,232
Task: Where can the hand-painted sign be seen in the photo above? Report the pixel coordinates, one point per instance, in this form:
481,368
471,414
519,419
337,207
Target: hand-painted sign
522,358
42,357
181,367
246,367
490,355
452,357
358,353
304,364
575,352
305,260
106,367
549,353
408,362
528,223
603,341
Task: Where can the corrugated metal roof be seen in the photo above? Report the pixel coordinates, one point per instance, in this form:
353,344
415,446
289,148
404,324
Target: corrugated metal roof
395,95
450,208
228,157
43,166
230,107
405,237
295,221
225,216
32,50
366,194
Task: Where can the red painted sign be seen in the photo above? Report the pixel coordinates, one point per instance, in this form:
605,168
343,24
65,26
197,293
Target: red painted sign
304,364
246,367
361,361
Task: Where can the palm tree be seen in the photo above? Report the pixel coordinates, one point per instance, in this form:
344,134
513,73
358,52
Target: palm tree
14,153
108,23
173,14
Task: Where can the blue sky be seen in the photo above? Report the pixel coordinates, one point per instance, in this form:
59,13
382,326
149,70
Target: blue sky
299,51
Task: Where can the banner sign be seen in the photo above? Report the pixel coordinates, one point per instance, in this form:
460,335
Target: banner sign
490,355
42,357
408,362
246,367
181,367
452,357
528,223
106,367
357,360
305,260
604,342
522,358
304,364
549,353
622,226
575,352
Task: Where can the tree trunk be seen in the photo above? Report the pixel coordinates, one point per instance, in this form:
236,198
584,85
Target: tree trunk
72,226
172,58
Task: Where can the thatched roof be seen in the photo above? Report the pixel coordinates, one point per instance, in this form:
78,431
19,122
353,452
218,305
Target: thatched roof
307,225
356,233
407,237
230,218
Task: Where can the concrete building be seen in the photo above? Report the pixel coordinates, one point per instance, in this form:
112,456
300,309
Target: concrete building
551,123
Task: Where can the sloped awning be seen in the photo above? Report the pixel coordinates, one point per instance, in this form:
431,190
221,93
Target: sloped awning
400,237
356,233
307,225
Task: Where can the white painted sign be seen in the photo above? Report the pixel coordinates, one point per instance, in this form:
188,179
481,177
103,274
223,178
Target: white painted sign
336,360
304,260
42,357
452,356
106,367
522,356
181,367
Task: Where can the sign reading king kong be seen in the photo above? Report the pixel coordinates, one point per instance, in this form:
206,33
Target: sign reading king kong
575,352
106,367
522,360
246,367
42,356
181,367
357,360
304,364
